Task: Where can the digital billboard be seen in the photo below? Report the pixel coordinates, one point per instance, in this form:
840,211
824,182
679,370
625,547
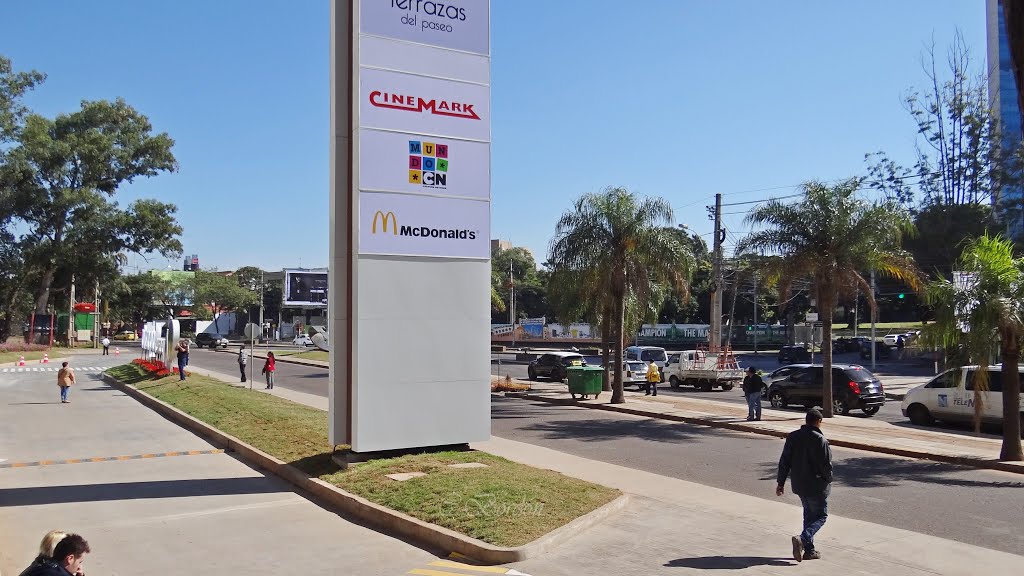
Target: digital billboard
305,288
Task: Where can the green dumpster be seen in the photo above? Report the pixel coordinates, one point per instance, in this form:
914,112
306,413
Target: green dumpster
585,380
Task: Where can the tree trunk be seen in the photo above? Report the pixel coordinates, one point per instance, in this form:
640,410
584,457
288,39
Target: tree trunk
827,301
618,396
1012,415
790,324
606,340
43,297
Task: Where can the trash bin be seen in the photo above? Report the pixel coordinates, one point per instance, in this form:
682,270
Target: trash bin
585,381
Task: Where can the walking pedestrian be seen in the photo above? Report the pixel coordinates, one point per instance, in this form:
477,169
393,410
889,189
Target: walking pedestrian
653,377
181,351
106,346
752,384
243,359
45,550
65,378
68,558
901,344
809,458
268,370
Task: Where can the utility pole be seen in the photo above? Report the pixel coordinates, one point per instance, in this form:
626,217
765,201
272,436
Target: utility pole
874,313
96,317
755,313
71,312
716,296
512,301
856,312
262,331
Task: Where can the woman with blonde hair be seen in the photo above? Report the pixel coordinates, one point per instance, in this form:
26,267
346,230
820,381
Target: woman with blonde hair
45,550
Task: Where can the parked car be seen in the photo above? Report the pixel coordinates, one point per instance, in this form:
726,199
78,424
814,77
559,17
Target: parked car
126,335
302,340
634,372
845,344
853,388
554,365
792,354
950,397
882,350
211,341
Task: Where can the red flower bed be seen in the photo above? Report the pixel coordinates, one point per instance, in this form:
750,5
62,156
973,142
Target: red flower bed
156,368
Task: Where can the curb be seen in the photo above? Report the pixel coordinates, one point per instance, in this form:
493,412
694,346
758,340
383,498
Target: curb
738,427
284,359
387,521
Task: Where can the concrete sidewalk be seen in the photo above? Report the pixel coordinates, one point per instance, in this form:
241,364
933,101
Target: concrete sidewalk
162,499
850,431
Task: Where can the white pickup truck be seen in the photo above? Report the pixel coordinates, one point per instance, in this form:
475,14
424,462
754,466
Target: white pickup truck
703,370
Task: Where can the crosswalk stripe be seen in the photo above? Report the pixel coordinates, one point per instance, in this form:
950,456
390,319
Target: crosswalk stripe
460,566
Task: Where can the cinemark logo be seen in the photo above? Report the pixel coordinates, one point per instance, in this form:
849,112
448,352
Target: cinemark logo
417,104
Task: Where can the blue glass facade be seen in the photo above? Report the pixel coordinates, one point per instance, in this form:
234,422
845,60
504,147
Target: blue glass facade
1009,113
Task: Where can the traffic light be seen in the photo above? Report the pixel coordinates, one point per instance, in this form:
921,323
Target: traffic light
900,296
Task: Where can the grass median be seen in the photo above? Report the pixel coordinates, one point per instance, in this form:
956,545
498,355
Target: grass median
504,503
314,355
15,356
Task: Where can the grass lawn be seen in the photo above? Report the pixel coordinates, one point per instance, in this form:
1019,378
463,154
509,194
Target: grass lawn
506,503
14,356
314,355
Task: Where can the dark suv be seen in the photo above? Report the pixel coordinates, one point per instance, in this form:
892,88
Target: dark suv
211,341
853,388
793,354
554,365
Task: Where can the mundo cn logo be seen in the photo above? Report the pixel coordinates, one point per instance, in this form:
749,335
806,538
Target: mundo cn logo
389,222
419,104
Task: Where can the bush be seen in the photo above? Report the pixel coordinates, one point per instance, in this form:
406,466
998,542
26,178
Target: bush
507,385
22,347
156,368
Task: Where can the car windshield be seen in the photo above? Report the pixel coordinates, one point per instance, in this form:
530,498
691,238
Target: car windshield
859,375
655,355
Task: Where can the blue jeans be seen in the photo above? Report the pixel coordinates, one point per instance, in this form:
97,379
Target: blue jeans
815,514
64,393
754,405
182,362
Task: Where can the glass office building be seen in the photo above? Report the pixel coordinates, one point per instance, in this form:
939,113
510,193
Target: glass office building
1003,95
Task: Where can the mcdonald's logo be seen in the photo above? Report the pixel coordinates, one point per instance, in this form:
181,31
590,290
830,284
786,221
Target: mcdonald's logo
384,218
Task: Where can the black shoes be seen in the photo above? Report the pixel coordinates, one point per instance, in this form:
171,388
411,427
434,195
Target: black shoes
798,549
812,555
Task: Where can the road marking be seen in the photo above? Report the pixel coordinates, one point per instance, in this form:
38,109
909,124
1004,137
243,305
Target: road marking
461,566
51,369
106,458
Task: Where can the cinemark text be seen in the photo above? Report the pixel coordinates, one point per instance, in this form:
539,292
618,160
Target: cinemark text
417,104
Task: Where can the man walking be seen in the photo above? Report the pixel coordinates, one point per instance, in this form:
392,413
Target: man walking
653,377
65,378
752,384
243,359
106,346
808,456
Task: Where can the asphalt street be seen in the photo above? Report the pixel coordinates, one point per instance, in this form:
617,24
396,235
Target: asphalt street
974,506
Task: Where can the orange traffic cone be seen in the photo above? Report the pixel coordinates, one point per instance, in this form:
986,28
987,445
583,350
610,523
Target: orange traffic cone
46,358
117,351
21,361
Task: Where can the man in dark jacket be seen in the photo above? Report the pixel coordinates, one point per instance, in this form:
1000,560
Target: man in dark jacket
809,458
68,558
752,384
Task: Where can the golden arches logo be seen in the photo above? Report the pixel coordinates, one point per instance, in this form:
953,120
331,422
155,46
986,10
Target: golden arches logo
384,218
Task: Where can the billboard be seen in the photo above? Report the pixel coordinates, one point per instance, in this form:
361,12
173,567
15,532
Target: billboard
457,24
305,288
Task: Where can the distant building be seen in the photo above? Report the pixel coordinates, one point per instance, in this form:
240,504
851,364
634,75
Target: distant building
1002,92
500,245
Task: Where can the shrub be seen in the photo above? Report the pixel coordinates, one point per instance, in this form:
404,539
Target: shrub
22,347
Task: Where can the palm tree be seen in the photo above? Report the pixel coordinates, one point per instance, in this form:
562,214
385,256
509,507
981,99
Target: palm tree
829,237
985,311
617,241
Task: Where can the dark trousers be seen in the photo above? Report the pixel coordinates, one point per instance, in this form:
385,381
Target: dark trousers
106,350
815,514
652,388
182,362
241,368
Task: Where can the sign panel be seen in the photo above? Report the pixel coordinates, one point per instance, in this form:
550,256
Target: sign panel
409,225
304,288
395,101
811,316
423,60
456,24
395,162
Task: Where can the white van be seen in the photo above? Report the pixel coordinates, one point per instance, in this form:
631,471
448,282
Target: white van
950,397
647,353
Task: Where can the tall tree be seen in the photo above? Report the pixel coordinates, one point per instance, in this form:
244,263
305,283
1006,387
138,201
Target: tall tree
13,86
986,311
830,237
57,183
222,293
619,241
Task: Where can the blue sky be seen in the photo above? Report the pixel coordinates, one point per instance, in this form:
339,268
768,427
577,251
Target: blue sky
680,99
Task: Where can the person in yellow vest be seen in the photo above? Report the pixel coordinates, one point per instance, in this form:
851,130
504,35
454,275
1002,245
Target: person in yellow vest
653,377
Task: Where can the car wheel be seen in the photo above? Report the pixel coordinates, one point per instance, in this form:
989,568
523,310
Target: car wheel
919,415
778,399
673,382
840,406
213,346
872,410
531,374
727,387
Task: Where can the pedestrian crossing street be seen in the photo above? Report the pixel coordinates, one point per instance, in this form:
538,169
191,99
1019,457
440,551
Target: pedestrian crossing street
454,568
51,368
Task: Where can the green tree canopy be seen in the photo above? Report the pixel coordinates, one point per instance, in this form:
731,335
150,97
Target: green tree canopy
830,237
221,292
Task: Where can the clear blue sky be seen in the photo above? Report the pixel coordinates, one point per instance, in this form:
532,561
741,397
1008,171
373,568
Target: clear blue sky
675,98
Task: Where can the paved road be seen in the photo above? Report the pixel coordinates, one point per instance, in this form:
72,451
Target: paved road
979,507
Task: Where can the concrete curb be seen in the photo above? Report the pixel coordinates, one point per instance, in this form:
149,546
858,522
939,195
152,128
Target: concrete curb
739,427
383,519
